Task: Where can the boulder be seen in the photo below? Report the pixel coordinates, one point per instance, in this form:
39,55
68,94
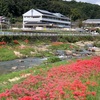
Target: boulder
80,43
21,60
68,52
75,55
32,53
22,46
97,53
15,67
94,49
18,54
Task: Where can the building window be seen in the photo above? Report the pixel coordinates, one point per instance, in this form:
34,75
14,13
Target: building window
32,16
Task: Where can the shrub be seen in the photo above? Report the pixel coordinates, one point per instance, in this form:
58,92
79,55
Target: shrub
53,59
97,44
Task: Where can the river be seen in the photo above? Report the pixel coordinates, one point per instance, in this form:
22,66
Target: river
19,64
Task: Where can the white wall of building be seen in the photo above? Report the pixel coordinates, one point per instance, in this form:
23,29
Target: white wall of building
35,16
32,12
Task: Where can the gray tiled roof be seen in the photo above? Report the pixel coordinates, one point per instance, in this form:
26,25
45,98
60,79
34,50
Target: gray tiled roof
52,14
95,21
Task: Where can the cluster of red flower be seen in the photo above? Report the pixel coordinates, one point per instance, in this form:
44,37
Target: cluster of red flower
57,43
3,43
16,42
71,82
26,41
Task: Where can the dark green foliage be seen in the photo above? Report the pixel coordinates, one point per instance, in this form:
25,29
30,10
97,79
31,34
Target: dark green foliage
97,44
73,9
53,59
38,39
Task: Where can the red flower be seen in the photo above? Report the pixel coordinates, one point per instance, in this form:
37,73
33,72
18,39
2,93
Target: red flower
58,82
57,43
3,43
26,98
26,41
93,93
16,42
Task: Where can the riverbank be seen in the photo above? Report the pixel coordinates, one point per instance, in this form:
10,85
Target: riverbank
6,84
8,80
23,54
28,54
18,49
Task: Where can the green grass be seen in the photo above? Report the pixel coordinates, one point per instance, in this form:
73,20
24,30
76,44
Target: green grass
26,51
44,54
62,47
6,54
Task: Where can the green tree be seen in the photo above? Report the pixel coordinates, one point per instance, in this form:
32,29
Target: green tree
75,14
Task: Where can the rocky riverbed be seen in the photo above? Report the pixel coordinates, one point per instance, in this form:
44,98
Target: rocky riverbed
84,49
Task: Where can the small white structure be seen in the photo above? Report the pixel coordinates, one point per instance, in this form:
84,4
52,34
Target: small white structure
4,20
42,18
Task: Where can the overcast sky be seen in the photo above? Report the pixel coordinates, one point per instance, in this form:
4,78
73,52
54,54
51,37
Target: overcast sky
89,1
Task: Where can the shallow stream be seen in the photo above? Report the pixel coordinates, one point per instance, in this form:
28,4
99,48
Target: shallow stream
19,64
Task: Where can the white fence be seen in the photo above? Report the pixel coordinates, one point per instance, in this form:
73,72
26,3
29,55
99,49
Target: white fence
45,34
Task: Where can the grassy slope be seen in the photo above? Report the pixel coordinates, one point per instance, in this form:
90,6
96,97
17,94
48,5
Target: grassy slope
33,70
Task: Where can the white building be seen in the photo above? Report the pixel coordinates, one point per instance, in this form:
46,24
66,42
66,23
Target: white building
4,20
92,23
42,18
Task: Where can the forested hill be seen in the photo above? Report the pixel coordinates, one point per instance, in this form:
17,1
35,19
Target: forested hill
73,9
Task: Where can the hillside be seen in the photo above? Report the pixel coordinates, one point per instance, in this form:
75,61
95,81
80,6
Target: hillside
73,9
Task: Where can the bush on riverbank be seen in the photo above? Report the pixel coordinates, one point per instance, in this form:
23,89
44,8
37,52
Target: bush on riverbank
36,39
53,60
97,44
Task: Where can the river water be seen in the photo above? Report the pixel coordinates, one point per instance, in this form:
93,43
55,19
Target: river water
19,64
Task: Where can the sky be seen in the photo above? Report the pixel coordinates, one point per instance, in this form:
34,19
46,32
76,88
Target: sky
89,1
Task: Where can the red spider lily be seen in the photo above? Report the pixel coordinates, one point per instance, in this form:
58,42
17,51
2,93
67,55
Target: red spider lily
2,95
71,46
3,43
59,83
93,93
16,42
57,43
26,98
26,41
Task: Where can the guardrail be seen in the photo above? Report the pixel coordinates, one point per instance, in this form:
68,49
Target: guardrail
44,34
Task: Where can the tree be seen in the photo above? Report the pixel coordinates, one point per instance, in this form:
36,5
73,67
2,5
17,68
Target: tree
75,14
